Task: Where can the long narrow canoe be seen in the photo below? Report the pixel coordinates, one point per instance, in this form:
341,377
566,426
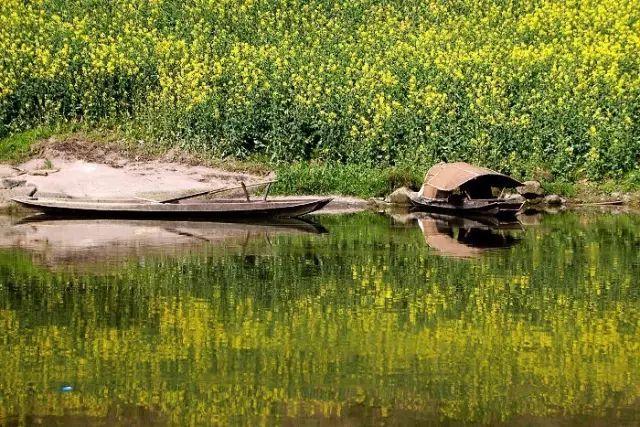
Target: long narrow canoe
286,208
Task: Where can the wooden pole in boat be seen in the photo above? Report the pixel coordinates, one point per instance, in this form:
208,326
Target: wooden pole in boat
246,193
215,191
266,192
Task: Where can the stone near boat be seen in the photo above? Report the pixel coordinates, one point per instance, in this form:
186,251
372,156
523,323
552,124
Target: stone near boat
26,190
624,197
42,172
401,196
530,190
9,183
514,197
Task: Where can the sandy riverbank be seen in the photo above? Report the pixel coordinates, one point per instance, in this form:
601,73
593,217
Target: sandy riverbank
83,171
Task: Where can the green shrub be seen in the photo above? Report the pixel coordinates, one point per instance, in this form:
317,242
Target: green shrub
17,146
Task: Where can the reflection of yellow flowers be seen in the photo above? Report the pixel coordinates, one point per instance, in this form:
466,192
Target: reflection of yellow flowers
401,67
462,335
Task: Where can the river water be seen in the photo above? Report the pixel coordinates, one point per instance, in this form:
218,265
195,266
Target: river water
359,319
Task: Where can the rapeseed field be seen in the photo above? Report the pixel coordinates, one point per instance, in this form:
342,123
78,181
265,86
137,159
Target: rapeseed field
550,85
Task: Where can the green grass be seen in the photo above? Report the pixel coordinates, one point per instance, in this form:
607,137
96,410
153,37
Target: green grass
354,180
562,188
17,147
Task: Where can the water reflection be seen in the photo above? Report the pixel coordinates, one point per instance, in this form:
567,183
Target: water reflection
89,243
365,325
466,237
120,415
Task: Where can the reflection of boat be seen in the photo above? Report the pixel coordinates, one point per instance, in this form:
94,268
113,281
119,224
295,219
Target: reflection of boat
464,189
180,209
477,221
275,224
81,241
465,237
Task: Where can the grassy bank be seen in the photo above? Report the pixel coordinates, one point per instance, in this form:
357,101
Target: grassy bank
294,178
364,181
304,177
538,87
361,181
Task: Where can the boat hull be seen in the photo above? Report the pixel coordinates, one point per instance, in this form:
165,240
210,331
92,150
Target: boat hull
194,211
489,207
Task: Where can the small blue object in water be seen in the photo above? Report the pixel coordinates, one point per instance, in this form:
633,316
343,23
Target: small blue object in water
66,388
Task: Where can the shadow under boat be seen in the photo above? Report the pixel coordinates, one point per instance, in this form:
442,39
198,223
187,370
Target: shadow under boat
464,237
57,242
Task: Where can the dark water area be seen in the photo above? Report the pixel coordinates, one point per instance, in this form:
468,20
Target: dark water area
359,319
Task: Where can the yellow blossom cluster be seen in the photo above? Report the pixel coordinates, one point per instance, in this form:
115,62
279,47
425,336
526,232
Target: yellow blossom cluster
552,83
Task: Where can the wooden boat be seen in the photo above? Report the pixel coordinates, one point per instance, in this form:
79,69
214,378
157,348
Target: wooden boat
494,207
181,209
464,189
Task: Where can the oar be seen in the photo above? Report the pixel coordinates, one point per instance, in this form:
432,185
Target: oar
219,190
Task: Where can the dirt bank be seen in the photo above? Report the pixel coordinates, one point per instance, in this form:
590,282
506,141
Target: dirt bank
82,169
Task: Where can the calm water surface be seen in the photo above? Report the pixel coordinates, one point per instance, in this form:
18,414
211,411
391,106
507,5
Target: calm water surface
364,320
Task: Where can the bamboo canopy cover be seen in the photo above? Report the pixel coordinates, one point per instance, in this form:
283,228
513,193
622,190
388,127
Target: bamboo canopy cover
477,181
